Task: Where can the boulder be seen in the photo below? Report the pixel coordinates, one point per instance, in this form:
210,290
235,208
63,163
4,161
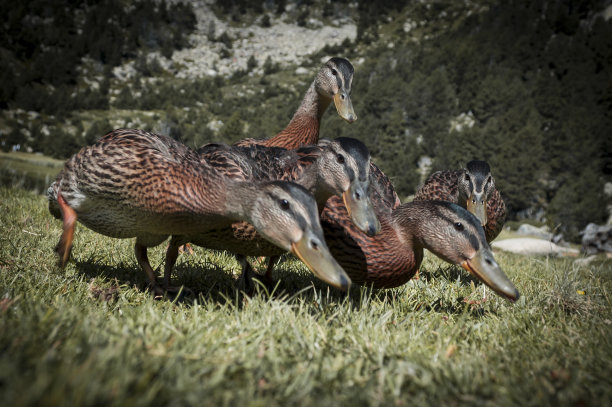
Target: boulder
530,230
596,238
530,246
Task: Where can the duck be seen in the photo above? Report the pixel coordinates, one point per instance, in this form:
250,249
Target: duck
473,188
332,82
394,255
337,167
132,183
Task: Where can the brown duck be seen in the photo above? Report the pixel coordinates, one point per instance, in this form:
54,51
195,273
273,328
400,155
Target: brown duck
472,188
333,82
339,167
392,257
137,184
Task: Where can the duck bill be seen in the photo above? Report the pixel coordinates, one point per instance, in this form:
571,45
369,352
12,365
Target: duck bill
478,207
315,254
344,106
484,266
361,210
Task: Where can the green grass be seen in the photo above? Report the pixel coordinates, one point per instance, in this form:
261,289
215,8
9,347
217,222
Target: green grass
91,335
29,171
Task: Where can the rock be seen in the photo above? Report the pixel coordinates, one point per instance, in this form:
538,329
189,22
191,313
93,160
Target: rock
529,230
530,246
585,261
285,44
596,238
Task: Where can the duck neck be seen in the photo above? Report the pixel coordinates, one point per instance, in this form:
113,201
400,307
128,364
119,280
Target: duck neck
304,126
239,202
409,222
311,179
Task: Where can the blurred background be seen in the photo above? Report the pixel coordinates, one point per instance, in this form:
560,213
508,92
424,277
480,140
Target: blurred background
526,86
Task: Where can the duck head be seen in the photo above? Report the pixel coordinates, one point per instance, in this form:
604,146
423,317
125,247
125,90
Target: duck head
334,82
344,170
286,214
475,185
456,236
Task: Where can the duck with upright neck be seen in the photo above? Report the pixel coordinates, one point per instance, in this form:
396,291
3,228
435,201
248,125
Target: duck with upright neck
473,188
132,183
333,82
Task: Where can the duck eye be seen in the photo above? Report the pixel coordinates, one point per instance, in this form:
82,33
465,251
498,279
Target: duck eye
340,158
467,177
489,180
458,226
334,72
284,204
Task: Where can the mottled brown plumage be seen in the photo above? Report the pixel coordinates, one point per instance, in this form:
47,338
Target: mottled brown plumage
137,184
472,188
392,257
339,167
333,82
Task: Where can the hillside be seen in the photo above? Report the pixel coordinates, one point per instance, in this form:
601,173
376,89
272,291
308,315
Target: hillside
437,83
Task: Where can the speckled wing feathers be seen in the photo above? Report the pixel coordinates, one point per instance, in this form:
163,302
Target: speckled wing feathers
251,163
440,186
134,183
381,261
443,186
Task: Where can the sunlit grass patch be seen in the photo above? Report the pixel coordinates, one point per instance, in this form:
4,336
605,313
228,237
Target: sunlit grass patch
92,335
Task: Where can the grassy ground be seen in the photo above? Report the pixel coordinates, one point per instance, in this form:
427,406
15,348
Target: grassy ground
33,172
91,334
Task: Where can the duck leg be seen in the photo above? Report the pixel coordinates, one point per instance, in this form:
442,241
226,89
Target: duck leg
143,259
245,281
172,253
268,280
69,218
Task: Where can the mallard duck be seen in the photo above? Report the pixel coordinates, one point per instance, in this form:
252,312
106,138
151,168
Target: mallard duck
333,82
339,167
132,183
392,257
472,188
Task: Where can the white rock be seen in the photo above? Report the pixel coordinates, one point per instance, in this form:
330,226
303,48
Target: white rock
585,261
283,43
530,230
530,246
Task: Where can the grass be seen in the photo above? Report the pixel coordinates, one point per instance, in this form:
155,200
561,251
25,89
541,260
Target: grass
91,335
29,171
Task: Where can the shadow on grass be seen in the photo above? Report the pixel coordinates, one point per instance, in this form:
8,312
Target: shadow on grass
210,282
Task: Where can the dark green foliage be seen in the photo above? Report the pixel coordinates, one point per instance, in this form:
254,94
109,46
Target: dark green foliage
269,66
232,130
210,34
578,201
61,144
97,129
302,17
225,39
43,43
11,140
265,21
251,63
